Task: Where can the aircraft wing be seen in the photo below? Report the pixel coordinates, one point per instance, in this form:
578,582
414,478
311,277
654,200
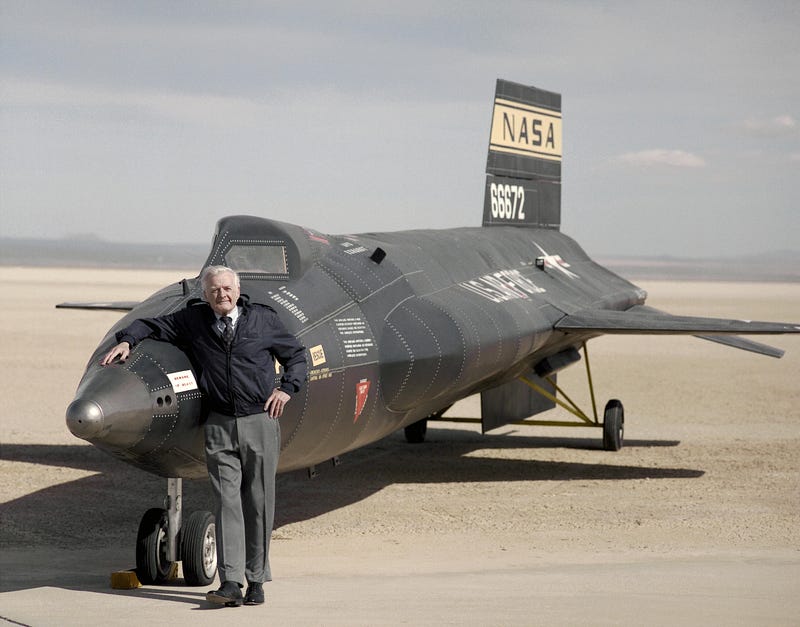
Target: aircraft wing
119,305
643,320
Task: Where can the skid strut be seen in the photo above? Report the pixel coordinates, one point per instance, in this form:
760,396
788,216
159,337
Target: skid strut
613,414
570,405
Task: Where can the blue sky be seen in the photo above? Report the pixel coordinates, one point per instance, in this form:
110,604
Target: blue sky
147,121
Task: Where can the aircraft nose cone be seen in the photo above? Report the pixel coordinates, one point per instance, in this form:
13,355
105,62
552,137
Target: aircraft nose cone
84,418
112,407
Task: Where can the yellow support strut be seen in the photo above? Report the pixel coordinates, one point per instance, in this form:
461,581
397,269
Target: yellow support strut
570,405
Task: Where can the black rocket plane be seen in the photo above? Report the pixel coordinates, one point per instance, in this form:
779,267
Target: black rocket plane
398,327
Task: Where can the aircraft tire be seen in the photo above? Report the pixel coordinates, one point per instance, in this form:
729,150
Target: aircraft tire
415,432
613,425
152,564
199,549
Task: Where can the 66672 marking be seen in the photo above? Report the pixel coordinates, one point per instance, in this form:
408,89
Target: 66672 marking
507,201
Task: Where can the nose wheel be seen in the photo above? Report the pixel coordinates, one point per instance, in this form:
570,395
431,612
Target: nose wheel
199,549
153,565
162,541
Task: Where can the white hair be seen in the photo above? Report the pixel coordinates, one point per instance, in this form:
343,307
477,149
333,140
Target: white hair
212,271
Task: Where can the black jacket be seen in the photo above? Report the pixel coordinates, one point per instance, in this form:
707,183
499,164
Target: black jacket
236,382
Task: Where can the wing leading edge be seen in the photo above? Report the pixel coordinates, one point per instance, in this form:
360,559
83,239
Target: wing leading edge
643,320
121,305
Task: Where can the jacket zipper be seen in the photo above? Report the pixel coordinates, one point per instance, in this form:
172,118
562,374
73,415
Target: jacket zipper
228,374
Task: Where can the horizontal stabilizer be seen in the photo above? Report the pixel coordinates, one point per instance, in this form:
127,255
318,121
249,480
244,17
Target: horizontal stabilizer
638,321
119,305
733,341
744,344
642,320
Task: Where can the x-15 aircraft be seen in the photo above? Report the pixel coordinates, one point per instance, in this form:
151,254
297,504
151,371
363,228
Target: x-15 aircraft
397,326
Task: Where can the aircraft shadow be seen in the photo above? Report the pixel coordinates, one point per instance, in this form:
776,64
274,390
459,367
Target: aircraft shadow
444,458
101,512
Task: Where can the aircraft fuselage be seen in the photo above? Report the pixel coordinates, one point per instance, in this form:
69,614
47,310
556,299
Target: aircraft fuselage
392,336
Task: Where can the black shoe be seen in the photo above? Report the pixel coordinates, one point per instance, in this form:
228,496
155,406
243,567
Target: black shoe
255,594
228,595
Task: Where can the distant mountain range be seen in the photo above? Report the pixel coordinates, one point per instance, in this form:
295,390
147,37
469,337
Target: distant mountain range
780,266
96,253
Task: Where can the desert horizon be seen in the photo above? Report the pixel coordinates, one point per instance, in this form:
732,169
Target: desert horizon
775,266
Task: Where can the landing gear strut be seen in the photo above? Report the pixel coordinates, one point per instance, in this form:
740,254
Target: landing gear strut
613,415
162,541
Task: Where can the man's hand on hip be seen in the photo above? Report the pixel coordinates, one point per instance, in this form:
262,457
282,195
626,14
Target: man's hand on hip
276,402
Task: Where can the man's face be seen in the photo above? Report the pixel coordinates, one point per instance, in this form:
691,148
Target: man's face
221,293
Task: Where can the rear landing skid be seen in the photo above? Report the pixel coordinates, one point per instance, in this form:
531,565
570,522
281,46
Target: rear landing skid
613,415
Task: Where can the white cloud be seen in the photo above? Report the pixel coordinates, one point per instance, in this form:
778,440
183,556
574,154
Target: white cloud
778,126
660,157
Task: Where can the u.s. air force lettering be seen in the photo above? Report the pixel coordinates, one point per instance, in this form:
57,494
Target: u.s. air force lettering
503,286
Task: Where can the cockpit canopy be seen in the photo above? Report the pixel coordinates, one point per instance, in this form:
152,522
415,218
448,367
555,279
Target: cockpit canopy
258,248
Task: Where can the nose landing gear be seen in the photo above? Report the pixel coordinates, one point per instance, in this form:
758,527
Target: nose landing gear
162,541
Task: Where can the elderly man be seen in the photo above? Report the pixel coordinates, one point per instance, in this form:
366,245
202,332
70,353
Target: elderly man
233,342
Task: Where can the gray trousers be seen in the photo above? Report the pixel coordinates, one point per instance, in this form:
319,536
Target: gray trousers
242,458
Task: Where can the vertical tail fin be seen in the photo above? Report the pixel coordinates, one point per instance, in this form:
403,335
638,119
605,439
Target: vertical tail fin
523,170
